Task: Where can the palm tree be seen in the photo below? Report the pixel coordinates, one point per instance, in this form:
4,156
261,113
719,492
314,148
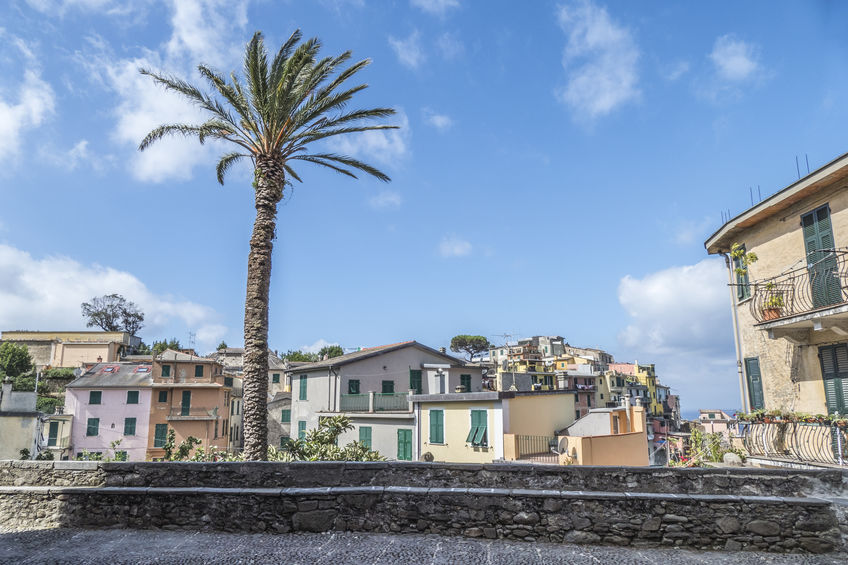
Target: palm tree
272,119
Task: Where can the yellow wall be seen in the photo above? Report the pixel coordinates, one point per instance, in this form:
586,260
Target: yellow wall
622,449
457,426
539,414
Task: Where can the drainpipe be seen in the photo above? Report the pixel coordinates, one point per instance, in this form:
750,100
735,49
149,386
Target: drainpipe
737,342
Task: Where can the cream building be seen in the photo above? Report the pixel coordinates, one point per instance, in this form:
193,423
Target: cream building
20,423
73,349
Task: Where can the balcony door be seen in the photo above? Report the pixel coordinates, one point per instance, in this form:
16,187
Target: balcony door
821,260
185,406
755,383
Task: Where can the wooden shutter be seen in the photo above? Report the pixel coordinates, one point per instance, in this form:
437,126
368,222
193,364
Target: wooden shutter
302,387
129,426
185,406
824,277
437,426
388,387
53,435
465,380
834,363
161,435
353,386
755,383
365,436
404,450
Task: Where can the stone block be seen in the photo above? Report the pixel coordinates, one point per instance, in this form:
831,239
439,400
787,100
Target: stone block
728,524
314,521
579,537
763,527
526,518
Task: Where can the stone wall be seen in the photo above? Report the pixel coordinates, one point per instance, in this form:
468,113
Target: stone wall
696,508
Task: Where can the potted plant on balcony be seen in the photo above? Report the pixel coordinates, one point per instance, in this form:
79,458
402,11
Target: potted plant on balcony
773,306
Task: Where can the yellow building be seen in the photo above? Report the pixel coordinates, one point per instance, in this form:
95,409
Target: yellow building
607,436
73,349
483,427
644,375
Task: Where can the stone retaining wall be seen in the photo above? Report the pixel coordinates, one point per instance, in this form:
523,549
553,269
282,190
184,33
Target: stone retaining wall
694,508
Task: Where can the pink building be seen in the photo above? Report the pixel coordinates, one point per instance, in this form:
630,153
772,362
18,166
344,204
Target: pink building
715,421
111,402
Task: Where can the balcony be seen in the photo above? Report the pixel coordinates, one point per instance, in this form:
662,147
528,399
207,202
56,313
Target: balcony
799,299
375,402
184,413
354,403
795,442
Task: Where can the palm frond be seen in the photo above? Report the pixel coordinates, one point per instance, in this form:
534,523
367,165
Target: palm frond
225,163
292,173
346,161
186,130
324,163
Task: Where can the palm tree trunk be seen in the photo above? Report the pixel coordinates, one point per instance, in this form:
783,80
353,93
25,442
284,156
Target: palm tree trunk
270,180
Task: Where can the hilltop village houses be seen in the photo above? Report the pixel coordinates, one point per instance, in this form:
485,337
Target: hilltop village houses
786,270
536,400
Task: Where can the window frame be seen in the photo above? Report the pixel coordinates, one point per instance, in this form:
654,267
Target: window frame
283,413
437,426
91,397
163,393
92,423
302,392
391,385
353,386
126,425
134,394
198,369
166,371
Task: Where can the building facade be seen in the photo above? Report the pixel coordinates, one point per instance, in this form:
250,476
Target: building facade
73,349
20,422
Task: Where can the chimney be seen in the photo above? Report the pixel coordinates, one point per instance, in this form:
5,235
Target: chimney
99,359
326,356
6,392
442,350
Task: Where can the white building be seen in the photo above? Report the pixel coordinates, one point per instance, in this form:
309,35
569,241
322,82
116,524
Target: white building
372,387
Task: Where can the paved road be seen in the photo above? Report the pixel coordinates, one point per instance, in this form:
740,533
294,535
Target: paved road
146,546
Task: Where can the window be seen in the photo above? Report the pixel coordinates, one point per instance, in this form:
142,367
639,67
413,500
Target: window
53,434
601,380
160,435
353,386
129,426
577,415
465,380
228,381
285,416
834,364
198,371
365,436
755,383
93,427
602,396
163,396
185,406
302,387
437,426
415,381
275,378
388,387
589,399
822,265
478,436
216,430
166,370
132,397
743,288
94,397
404,448
712,416
301,430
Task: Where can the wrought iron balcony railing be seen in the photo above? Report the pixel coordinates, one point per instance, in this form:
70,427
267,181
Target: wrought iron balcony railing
821,284
800,442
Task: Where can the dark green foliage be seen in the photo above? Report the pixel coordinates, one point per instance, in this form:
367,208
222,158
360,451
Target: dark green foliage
14,359
26,383
471,345
24,454
331,351
59,373
45,455
160,346
143,349
222,345
48,404
322,444
113,313
300,356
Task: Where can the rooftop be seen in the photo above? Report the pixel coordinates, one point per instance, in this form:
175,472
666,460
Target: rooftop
115,375
373,352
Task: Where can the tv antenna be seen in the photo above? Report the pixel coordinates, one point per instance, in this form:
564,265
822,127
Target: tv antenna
191,336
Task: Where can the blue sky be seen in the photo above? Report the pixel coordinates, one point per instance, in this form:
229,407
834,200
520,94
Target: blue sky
557,171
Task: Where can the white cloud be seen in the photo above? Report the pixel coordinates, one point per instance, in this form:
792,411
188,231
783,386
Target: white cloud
386,199
673,72
61,7
317,346
408,51
688,231
734,59
386,147
441,122
680,320
33,103
435,7
450,45
74,157
207,31
600,59
46,294
454,246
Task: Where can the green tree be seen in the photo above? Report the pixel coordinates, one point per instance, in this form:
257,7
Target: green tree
331,351
14,359
143,349
113,313
222,345
471,345
160,346
299,356
321,444
273,118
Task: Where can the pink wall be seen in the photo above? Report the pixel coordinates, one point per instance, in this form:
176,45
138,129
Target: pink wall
112,411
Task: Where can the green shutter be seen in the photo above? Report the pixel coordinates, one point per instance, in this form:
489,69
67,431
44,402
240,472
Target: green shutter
365,436
53,435
353,386
275,378
198,371
404,448
93,427
388,387
129,426
437,426
465,380
303,381
166,370
185,405
228,381
743,288
478,434
94,397
301,430
821,263
160,435
132,397
163,396
755,383
834,363
285,417
415,381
